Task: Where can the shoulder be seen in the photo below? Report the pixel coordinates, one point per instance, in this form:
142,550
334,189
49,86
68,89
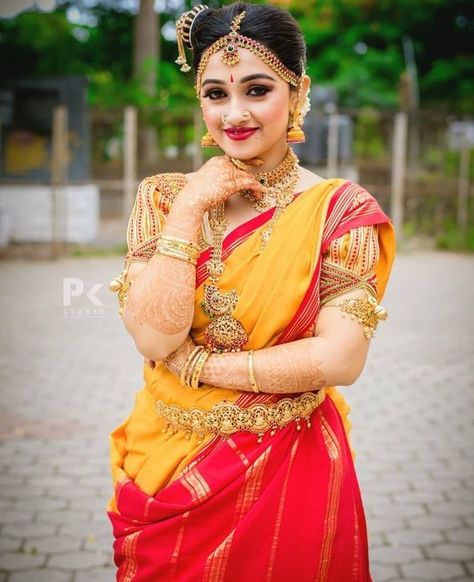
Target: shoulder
161,189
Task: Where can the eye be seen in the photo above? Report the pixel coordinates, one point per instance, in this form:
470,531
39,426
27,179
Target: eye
214,94
258,90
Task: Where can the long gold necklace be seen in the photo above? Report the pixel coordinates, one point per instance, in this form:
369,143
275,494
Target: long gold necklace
225,333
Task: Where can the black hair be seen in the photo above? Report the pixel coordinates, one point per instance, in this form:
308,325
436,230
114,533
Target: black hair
271,26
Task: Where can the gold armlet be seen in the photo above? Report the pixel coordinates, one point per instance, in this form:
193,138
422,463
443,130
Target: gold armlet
365,310
121,286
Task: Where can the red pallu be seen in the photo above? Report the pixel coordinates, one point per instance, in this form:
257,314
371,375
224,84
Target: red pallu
273,511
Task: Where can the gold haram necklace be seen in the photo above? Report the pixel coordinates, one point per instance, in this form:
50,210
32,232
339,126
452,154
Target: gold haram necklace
225,333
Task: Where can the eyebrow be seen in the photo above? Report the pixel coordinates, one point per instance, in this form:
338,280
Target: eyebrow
243,80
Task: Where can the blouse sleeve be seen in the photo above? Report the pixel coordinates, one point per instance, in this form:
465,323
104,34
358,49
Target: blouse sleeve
349,263
153,201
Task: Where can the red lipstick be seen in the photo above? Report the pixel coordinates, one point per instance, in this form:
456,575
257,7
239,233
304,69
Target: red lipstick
240,133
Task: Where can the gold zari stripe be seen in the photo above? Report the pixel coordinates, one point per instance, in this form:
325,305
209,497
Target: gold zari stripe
226,418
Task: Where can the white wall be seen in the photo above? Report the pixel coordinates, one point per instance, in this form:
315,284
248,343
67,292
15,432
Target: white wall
26,213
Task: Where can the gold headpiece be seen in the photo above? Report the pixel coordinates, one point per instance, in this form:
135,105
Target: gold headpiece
230,43
184,26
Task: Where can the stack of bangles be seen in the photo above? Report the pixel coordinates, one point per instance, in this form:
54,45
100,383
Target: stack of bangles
194,364
178,248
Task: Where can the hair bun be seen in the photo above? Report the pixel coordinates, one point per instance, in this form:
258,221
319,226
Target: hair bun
185,23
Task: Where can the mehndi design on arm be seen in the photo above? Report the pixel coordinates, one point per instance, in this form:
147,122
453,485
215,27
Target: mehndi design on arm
162,297
283,369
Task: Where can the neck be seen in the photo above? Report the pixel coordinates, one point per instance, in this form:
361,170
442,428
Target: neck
271,158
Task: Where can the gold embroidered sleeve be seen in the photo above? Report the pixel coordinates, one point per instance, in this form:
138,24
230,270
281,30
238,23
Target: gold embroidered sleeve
153,201
349,263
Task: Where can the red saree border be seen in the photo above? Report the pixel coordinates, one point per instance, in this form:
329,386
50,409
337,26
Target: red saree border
342,216
235,238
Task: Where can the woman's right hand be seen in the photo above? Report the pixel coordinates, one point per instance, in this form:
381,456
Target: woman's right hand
217,180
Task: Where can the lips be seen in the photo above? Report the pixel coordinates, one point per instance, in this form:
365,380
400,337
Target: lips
240,133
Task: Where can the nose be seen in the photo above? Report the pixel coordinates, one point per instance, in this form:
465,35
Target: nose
237,116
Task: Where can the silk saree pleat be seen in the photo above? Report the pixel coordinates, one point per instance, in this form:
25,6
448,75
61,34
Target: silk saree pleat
230,508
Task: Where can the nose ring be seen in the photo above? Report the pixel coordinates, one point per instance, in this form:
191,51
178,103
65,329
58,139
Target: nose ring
244,116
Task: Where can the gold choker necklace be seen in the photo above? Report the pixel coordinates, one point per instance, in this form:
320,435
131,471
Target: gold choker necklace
277,180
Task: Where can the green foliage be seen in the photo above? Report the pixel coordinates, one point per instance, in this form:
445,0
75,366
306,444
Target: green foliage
353,45
451,238
368,140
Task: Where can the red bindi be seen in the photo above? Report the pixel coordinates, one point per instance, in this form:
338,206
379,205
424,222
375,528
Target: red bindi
231,79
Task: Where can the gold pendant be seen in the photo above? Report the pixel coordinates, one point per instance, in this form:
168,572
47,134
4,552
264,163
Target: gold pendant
225,334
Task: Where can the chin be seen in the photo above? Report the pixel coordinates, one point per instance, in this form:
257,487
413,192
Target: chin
243,151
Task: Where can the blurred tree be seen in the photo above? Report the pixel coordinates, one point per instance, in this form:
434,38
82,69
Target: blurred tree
353,45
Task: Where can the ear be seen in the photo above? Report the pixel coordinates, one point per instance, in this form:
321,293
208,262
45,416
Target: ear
301,93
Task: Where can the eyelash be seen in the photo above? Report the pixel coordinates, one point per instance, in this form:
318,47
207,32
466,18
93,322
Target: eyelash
264,90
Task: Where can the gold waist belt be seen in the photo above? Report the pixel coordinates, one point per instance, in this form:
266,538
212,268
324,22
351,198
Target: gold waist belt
225,418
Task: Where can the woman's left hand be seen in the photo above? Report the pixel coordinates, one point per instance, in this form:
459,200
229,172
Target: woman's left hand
176,360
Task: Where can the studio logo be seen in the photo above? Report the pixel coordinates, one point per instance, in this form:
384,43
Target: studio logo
73,291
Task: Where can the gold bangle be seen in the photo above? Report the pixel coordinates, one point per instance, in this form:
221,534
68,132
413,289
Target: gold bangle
253,382
185,249
179,244
184,369
182,241
176,255
190,366
199,365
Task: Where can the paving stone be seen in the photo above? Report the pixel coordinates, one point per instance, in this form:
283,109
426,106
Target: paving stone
7,543
432,570
29,530
96,575
412,459
382,573
43,575
18,561
78,560
63,516
395,554
463,535
456,551
52,545
436,522
413,537
16,516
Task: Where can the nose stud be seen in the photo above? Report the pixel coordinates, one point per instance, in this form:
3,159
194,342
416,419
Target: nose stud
244,116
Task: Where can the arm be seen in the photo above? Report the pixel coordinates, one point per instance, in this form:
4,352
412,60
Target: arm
335,357
160,304
337,353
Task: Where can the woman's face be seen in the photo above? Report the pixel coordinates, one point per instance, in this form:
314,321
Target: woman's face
250,85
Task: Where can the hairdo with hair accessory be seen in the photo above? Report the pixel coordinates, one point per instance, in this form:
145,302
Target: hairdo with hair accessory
184,26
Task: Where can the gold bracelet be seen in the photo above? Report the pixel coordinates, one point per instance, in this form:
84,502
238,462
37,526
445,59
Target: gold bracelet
172,242
175,254
184,370
190,367
198,366
253,382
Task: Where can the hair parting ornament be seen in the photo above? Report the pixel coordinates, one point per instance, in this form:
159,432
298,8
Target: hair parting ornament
229,44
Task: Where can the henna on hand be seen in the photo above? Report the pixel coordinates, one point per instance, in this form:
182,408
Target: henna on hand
281,369
162,295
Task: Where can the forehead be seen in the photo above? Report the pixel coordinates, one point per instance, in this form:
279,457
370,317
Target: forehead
248,64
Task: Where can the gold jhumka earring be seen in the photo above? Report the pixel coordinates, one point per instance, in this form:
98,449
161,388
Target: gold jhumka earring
295,134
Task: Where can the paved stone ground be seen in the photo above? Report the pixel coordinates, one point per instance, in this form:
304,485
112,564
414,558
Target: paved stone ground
68,379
